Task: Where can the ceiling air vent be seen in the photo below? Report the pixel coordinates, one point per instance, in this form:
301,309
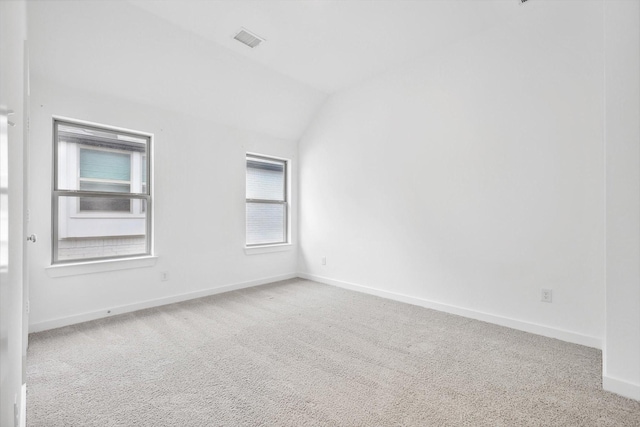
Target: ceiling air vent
248,38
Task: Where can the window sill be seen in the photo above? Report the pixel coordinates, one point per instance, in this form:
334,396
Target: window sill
89,267
254,250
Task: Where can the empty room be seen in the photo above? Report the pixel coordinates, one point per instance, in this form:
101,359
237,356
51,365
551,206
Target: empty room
320,213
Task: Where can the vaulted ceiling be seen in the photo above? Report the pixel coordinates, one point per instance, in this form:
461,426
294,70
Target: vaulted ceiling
180,55
332,44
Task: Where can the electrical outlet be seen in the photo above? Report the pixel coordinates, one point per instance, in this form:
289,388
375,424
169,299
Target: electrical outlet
164,276
324,260
546,295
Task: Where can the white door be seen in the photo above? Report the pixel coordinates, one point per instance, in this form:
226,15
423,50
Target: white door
12,367
8,359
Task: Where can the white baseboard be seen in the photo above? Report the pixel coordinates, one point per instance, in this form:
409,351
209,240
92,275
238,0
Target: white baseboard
547,331
623,388
85,317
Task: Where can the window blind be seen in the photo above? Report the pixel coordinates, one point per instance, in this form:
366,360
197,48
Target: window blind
266,208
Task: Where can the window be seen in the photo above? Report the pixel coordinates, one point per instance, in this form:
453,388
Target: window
267,210
101,193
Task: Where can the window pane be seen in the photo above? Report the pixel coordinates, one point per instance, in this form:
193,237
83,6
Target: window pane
98,154
104,186
104,204
266,223
99,237
265,179
105,165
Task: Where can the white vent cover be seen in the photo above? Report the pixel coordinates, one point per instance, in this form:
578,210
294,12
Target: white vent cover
248,38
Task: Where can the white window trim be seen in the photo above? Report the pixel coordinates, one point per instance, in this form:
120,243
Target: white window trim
271,247
264,249
77,268
84,266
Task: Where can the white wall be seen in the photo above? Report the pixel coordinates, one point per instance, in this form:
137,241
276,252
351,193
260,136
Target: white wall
621,368
206,108
13,32
471,178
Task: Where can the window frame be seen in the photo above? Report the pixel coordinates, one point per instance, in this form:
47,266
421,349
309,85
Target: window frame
142,209
57,193
284,203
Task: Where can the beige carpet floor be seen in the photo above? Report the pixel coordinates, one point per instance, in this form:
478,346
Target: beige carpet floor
299,353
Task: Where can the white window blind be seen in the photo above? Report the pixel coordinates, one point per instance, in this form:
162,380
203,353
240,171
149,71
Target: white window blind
266,207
